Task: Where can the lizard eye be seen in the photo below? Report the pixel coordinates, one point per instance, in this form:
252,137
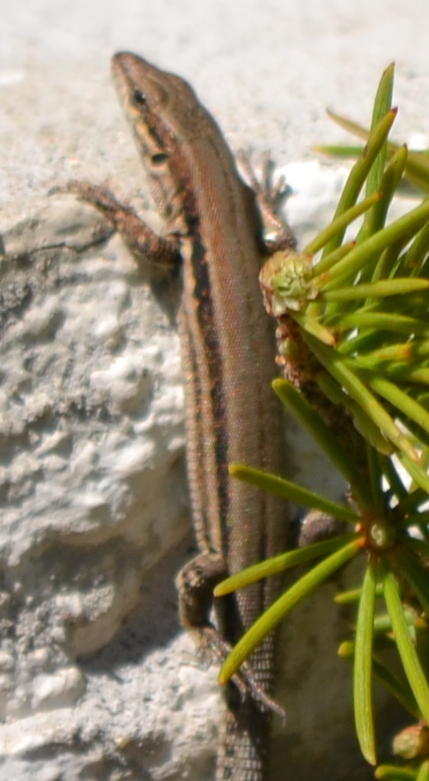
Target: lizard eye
139,98
159,159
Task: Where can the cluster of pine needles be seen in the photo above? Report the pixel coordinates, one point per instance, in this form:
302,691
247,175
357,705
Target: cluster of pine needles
353,340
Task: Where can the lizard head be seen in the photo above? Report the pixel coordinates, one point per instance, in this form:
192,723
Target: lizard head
161,107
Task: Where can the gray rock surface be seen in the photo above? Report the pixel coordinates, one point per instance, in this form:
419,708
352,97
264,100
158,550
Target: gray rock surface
91,427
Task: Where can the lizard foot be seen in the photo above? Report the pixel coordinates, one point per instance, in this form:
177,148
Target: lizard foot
270,196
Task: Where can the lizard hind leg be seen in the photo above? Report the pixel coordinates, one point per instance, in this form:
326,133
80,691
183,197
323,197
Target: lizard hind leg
195,583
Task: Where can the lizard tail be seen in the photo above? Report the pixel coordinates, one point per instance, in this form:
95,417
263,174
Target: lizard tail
242,754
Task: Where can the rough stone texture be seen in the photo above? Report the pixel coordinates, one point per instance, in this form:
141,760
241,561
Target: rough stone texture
91,478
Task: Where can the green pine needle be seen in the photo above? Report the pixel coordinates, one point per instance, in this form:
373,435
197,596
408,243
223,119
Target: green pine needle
283,606
362,677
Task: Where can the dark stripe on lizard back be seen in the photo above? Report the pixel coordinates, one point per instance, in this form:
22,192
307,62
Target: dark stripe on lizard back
212,355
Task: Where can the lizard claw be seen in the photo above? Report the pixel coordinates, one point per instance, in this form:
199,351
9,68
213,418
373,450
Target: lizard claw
246,684
245,679
270,196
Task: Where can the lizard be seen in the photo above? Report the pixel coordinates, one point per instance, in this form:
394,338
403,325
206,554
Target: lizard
214,231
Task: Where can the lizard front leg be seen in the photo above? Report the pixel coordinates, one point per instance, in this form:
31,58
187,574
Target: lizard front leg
161,253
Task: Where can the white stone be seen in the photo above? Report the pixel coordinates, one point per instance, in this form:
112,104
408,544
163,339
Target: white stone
58,690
